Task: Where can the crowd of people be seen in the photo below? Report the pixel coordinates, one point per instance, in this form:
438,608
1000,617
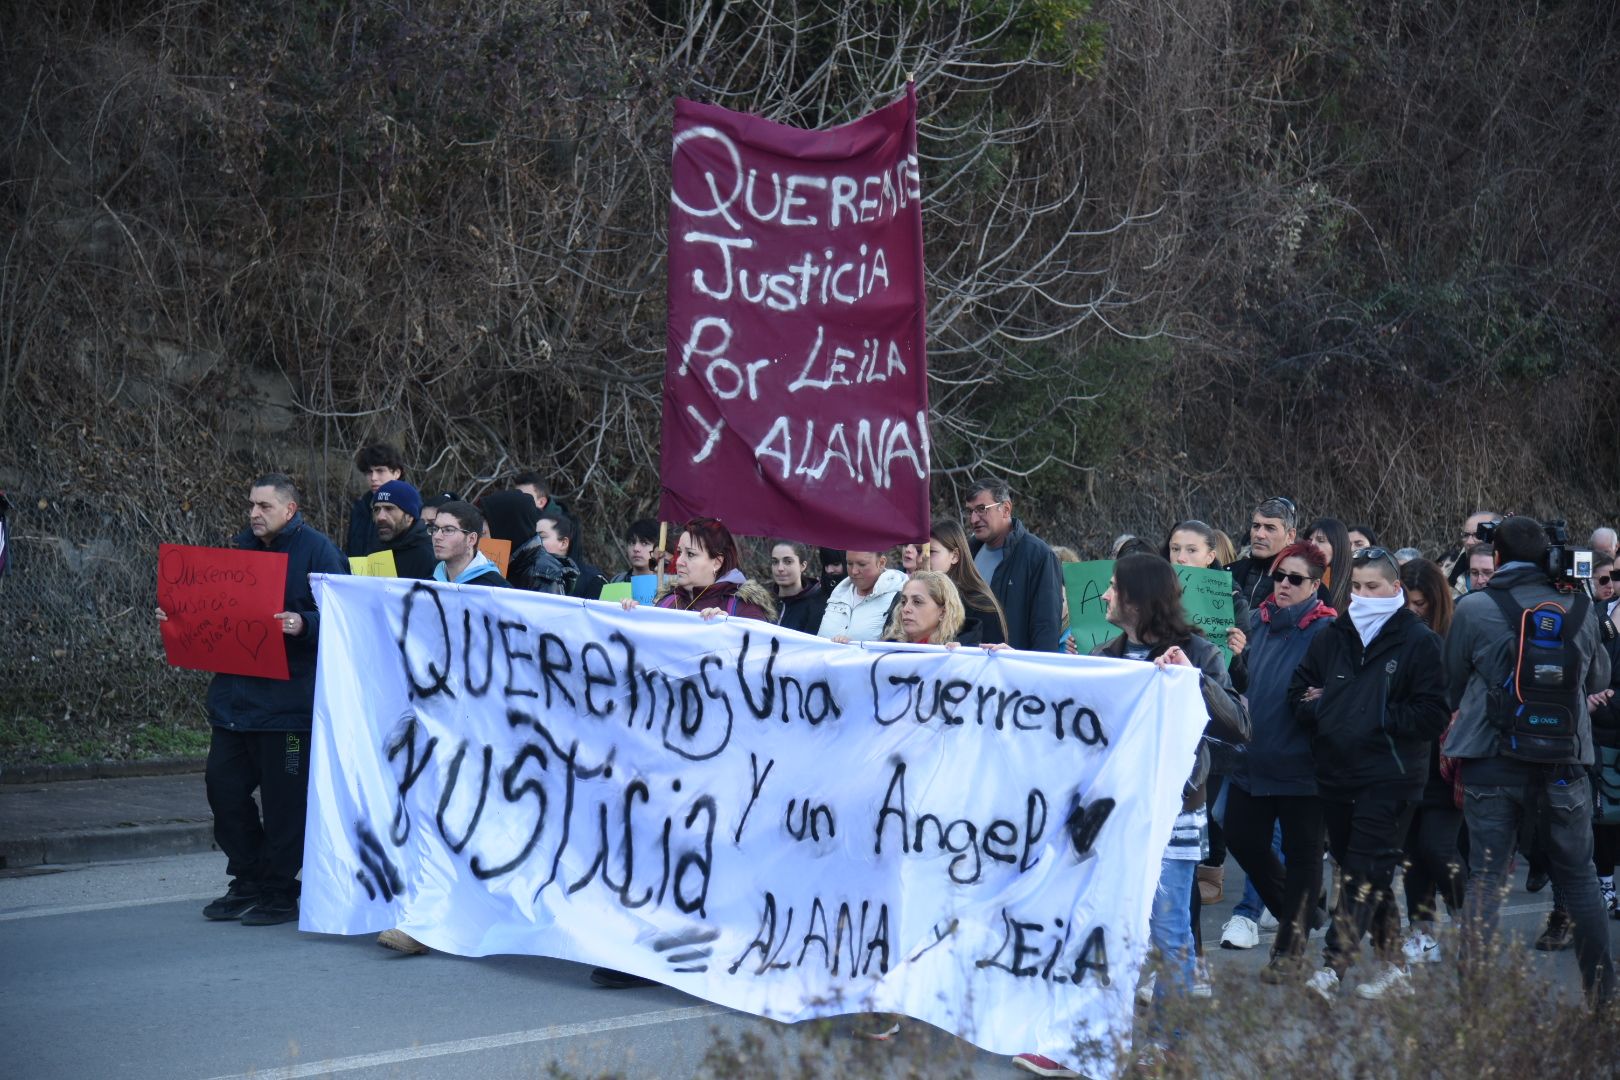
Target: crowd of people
1358,720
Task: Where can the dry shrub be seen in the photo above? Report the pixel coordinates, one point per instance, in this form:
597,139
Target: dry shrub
1180,256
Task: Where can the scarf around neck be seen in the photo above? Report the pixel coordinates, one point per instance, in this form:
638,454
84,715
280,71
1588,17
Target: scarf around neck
1370,613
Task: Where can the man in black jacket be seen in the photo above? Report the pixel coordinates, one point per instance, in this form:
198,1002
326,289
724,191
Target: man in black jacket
1020,567
395,508
1272,527
1500,789
1371,691
261,726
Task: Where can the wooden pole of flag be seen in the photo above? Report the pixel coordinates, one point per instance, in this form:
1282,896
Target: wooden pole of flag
663,557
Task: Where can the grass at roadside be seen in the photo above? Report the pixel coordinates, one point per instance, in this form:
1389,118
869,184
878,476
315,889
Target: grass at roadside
1508,1023
34,740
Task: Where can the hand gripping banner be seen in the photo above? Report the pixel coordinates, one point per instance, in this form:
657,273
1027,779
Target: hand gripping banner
773,822
795,386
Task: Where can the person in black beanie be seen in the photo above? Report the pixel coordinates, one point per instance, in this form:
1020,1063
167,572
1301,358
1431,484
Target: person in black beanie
396,510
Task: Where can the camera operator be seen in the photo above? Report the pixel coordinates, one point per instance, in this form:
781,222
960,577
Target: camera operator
1481,654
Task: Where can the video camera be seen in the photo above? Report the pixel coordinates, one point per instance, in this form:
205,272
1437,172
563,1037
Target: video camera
1563,564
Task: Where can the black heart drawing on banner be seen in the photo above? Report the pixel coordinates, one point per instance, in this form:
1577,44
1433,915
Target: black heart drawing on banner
251,635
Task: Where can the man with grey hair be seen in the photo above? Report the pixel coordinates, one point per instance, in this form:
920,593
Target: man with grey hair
1604,541
1272,527
1020,567
1457,567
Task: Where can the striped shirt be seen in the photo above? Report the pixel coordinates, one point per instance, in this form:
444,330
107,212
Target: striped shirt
1189,838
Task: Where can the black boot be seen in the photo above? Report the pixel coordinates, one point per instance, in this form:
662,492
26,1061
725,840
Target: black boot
1559,934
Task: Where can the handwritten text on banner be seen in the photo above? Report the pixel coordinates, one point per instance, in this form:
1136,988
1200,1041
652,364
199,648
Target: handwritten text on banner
770,821
795,374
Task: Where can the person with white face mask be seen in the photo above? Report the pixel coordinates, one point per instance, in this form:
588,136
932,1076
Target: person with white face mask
1371,692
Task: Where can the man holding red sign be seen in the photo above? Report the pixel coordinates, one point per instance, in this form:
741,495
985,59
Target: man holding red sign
261,725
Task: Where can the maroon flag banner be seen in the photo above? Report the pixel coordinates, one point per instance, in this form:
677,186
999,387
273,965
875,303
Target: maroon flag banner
795,385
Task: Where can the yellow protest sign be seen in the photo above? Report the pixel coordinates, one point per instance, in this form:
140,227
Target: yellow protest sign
380,564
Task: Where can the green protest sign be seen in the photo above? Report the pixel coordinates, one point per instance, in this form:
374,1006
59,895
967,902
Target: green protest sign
1085,583
1206,595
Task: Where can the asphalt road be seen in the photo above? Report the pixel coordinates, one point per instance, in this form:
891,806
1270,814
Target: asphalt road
109,970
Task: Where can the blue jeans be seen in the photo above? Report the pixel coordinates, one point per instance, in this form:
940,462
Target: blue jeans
1249,906
1170,927
1494,813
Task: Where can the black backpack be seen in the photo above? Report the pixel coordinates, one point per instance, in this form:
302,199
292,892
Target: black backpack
1537,708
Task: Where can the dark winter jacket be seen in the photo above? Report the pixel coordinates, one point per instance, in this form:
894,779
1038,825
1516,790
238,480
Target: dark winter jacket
588,586
1251,581
1477,658
803,610
1606,717
534,568
1228,716
732,594
413,553
1381,707
973,631
249,703
1277,760
1029,585
362,538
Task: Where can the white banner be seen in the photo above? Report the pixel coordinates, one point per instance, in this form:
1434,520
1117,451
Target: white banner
767,820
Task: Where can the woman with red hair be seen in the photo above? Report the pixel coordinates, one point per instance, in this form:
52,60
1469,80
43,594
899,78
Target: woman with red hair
709,579
1273,778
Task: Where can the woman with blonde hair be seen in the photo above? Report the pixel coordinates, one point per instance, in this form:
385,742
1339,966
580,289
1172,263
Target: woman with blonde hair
929,612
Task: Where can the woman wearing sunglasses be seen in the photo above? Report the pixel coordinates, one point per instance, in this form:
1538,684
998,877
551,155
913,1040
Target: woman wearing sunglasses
1273,779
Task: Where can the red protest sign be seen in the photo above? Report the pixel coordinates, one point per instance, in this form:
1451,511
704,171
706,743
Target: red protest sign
795,387
221,605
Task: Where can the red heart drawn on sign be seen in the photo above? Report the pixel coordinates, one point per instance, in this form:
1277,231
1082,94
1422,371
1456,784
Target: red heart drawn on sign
251,635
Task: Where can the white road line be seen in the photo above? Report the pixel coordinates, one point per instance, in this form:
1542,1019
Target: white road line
472,1046
110,905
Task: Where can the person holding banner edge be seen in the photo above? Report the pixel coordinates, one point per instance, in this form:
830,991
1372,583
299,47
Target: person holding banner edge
260,727
1144,600
858,609
708,579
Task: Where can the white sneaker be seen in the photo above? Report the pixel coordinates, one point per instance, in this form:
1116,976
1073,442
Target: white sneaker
1240,932
1268,921
1420,948
1391,979
1326,983
1203,986
1144,993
